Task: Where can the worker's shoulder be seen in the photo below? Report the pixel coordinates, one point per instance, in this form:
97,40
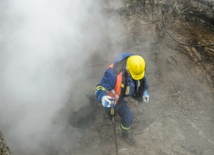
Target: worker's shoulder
109,79
110,72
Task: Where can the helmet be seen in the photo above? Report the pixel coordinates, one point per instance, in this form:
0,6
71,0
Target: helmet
136,66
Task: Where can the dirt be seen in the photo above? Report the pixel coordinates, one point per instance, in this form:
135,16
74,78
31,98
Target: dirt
179,119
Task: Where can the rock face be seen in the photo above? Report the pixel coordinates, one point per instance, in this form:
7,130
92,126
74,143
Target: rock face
4,149
203,7
190,23
171,122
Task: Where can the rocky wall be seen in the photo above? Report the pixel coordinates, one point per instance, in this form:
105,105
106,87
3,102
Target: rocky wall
190,23
4,149
197,9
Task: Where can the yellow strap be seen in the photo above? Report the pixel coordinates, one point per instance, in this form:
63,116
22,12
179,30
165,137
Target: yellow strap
127,90
122,85
112,111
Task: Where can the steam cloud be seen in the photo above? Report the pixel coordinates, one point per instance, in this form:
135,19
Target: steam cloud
43,46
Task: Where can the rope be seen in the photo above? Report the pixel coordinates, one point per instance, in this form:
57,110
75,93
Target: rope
115,134
114,125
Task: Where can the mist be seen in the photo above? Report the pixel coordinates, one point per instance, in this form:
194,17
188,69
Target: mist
43,47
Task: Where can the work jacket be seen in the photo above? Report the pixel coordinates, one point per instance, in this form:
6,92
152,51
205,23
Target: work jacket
117,83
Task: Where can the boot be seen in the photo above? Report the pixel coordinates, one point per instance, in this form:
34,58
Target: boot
128,137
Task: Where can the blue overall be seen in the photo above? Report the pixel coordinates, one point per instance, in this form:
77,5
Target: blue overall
109,81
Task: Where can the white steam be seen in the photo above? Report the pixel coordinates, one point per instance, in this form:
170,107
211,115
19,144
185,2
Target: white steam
44,44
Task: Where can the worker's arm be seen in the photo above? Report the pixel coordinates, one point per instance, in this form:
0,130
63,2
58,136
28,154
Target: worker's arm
145,91
145,84
142,91
106,84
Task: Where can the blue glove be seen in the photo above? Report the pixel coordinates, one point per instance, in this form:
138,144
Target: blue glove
146,96
106,101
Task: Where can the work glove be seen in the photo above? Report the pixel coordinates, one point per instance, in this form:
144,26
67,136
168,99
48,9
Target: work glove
106,101
146,96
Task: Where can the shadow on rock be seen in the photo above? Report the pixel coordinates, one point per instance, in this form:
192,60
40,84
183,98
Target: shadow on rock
85,116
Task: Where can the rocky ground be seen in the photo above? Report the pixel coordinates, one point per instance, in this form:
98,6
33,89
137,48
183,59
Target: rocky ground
179,118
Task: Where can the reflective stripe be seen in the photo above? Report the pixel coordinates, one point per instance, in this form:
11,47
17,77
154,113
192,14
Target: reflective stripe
124,128
100,88
115,95
113,91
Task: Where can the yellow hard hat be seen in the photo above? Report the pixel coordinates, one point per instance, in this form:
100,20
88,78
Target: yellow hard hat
136,66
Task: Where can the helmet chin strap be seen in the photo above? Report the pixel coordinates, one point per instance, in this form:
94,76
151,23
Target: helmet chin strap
128,73
127,70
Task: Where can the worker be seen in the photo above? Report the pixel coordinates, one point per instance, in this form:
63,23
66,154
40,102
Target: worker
124,77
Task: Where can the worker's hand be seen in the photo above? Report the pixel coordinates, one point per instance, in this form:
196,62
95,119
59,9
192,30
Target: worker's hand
146,96
106,101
